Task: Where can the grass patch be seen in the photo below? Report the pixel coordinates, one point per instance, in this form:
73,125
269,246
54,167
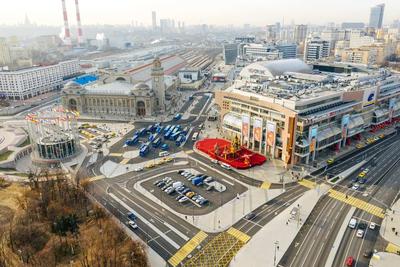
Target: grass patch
25,143
335,179
5,155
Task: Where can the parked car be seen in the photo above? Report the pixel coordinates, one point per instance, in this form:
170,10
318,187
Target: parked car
190,194
156,182
203,202
183,199
368,253
372,225
161,184
355,186
362,226
179,197
132,224
360,233
185,190
208,179
225,166
353,223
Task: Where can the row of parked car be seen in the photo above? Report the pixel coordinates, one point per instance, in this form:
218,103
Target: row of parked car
170,187
197,179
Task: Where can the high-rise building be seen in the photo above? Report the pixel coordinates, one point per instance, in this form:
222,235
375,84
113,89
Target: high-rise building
154,20
353,25
315,49
230,53
376,16
300,33
288,50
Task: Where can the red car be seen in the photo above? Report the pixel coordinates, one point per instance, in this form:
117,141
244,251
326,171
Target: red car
349,261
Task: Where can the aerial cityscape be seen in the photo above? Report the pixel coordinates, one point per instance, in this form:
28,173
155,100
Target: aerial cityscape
185,133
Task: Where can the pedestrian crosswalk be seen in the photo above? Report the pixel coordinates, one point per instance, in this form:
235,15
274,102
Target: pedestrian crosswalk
265,185
186,249
124,161
238,234
116,154
358,203
307,183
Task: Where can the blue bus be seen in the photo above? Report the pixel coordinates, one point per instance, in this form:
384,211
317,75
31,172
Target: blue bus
150,128
144,149
175,135
178,127
132,141
185,130
181,138
177,117
152,137
156,142
166,129
142,131
159,129
167,135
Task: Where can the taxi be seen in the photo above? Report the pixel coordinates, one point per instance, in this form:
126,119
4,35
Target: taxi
330,161
360,145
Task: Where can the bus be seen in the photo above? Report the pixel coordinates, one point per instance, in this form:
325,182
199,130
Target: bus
132,141
150,129
156,143
166,129
142,131
195,135
152,137
185,130
144,149
181,138
166,136
177,117
175,135
159,129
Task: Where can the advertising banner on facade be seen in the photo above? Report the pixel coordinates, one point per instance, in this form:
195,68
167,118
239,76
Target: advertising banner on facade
245,129
345,124
392,103
312,137
271,133
369,96
257,129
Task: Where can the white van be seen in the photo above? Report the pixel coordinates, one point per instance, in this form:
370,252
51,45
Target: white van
163,154
353,223
225,166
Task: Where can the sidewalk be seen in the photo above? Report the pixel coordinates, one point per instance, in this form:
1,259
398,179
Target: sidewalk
260,249
390,228
383,259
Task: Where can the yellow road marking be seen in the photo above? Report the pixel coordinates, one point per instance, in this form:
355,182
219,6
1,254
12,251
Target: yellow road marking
189,151
124,161
307,183
116,154
238,234
186,249
265,185
392,248
358,203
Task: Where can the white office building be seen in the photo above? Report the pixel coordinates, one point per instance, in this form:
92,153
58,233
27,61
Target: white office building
316,49
30,82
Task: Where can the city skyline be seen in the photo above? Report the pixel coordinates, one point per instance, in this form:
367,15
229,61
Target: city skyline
241,12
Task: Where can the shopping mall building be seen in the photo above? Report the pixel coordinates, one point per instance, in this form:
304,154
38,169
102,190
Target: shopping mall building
292,111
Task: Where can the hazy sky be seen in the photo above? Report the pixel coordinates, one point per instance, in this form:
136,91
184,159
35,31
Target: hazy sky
237,12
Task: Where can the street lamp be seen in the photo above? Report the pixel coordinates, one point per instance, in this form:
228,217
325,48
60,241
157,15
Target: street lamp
276,245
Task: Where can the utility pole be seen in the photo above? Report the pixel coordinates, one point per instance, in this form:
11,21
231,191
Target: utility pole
276,244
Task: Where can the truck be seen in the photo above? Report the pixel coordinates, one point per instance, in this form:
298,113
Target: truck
177,117
197,181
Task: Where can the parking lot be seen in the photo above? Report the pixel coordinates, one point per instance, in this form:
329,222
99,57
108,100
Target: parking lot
189,206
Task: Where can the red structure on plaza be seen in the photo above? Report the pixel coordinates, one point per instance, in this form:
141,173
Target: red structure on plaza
230,153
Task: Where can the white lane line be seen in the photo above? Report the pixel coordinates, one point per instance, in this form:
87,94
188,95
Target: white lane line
226,181
155,229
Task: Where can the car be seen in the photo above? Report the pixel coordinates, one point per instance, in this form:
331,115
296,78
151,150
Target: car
360,145
131,215
353,223
203,202
362,226
179,197
363,181
163,154
208,179
376,138
156,182
368,253
354,180
170,191
225,166
360,233
168,159
150,165
180,188
372,225
355,186
168,188
181,171
361,174
184,173
183,199
185,190
164,187
250,216
190,194
167,179
349,261
350,185
366,170
195,197
138,169
161,184
214,161
330,161
132,224
381,136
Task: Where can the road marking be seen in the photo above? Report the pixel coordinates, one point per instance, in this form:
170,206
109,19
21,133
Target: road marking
226,181
307,183
189,151
154,228
358,203
116,154
238,234
265,185
392,248
186,249
124,161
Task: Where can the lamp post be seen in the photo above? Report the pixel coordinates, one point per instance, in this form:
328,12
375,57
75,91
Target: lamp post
276,245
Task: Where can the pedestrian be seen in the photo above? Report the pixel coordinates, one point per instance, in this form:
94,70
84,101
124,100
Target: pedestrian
287,223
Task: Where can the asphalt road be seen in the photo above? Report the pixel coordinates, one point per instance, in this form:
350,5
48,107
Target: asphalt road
313,244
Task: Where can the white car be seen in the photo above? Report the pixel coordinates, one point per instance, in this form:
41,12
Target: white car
163,154
355,187
138,169
132,224
372,225
225,166
184,199
214,161
360,233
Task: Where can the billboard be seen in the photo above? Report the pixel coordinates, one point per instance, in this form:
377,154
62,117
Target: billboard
257,129
392,103
245,129
369,96
345,124
271,133
312,137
